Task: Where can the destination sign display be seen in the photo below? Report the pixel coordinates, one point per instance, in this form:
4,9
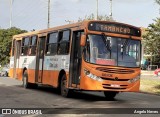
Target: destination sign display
114,28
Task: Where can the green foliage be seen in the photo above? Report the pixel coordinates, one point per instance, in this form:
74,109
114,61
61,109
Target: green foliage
100,17
5,43
158,1
151,39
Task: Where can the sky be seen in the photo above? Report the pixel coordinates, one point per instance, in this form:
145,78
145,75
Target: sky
32,14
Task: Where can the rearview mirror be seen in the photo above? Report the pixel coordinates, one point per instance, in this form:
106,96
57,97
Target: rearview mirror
83,40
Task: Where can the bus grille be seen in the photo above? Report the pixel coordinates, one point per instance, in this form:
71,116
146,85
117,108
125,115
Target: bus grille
113,79
115,70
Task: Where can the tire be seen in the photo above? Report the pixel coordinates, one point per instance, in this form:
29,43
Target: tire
65,92
110,94
26,85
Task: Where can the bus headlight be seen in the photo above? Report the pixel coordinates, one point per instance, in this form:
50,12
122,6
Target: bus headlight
92,76
134,79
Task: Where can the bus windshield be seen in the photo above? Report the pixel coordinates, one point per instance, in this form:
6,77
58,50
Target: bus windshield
115,51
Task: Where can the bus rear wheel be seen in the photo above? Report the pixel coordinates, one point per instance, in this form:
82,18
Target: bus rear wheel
25,80
26,84
110,94
65,92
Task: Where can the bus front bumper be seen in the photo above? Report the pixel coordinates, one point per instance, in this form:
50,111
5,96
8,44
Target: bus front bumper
107,85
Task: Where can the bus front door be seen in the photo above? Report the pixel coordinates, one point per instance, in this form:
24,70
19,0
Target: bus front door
40,59
76,59
17,45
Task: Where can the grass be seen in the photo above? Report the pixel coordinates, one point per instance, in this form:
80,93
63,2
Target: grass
150,86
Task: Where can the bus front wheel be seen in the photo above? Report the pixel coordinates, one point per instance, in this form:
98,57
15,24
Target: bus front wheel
110,94
65,92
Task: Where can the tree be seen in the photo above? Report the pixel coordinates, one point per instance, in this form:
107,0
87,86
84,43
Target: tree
158,1
5,43
100,17
151,40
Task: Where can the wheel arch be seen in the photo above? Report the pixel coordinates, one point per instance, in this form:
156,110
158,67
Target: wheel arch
24,69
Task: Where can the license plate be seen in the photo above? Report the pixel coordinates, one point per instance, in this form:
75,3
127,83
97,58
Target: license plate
114,85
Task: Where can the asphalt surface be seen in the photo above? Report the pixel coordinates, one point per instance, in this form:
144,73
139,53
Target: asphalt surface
13,95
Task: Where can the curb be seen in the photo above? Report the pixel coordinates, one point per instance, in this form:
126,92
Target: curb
148,72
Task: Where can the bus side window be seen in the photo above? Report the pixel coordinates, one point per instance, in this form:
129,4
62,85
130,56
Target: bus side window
33,46
25,46
52,43
64,41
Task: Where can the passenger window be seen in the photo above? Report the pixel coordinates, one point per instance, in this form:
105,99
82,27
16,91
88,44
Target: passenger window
33,46
52,43
25,46
64,41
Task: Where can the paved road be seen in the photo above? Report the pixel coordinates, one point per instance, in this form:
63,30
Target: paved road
13,95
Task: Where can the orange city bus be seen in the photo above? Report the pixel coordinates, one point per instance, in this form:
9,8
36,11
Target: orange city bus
89,55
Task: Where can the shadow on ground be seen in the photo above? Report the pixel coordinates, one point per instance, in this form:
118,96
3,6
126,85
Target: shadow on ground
80,95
